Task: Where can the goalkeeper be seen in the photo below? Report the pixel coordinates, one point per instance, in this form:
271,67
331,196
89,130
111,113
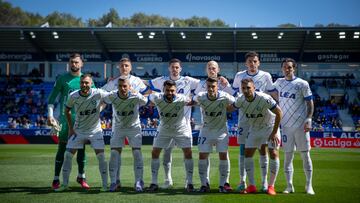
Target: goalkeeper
64,85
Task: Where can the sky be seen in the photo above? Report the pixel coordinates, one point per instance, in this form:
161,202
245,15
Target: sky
235,13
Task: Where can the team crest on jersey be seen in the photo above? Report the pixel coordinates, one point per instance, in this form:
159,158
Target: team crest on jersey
93,102
258,84
258,108
180,91
297,87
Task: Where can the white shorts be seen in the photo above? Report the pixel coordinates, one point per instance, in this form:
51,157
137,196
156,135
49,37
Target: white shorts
295,139
181,138
133,135
210,137
77,141
259,136
243,131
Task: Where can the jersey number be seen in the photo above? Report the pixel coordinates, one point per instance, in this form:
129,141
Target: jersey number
203,140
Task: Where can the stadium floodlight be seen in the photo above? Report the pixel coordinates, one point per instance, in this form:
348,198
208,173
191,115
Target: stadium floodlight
151,36
281,33
356,36
318,37
255,37
342,37
182,33
356,33
279,37
32,34
341,33
317,33
184,37
152,33
139,33
253,34
207,36
209,33
141,36
56,36
54,33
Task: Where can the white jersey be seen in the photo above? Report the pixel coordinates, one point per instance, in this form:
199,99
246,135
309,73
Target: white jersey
135,82
214,111
125,110
292,96
171,114
257,112
87,108
263,83
184,85
262,80
202,88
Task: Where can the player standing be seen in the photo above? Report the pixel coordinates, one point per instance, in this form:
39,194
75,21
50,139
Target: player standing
295,100
126,124
173,126
214,131
258,107
184,85
263,83
213,70
64,85
136,84
86,127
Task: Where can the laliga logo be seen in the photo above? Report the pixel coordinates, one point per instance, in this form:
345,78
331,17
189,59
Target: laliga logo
318,142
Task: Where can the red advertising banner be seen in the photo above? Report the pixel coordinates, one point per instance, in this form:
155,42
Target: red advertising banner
335,142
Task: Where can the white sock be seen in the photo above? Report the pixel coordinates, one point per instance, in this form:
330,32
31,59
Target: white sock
264,163
155,165
189,168
208,170
308,168
242,164
274,170
67,164
203,165
223,171
249,167
138,165
113,165
289,168
119,168
228,176
103,169
81,175
167,159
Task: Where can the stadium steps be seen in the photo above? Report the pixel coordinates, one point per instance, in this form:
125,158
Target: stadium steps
347,121
323,92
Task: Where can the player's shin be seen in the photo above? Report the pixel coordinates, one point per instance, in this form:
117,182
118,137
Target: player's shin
67,167
155,165
274,170
308,167
102,168
189,167
113,165
138,165
289,168
224,172
249,167
203,171
264,162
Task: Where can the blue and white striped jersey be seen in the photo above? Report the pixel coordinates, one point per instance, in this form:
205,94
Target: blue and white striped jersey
87,109
257,112
171,114
125,110
292,99
135,82
214,111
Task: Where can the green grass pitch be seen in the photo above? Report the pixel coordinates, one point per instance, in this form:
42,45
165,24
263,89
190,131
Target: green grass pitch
26,172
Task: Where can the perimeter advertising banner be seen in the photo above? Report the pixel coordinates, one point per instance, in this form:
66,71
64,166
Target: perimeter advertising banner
42,136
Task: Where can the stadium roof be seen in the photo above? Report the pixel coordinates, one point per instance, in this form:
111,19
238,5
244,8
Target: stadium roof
212,40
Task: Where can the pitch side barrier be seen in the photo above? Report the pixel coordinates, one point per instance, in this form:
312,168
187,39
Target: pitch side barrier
42,136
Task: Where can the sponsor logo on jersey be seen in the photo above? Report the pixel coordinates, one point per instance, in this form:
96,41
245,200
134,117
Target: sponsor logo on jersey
287,95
